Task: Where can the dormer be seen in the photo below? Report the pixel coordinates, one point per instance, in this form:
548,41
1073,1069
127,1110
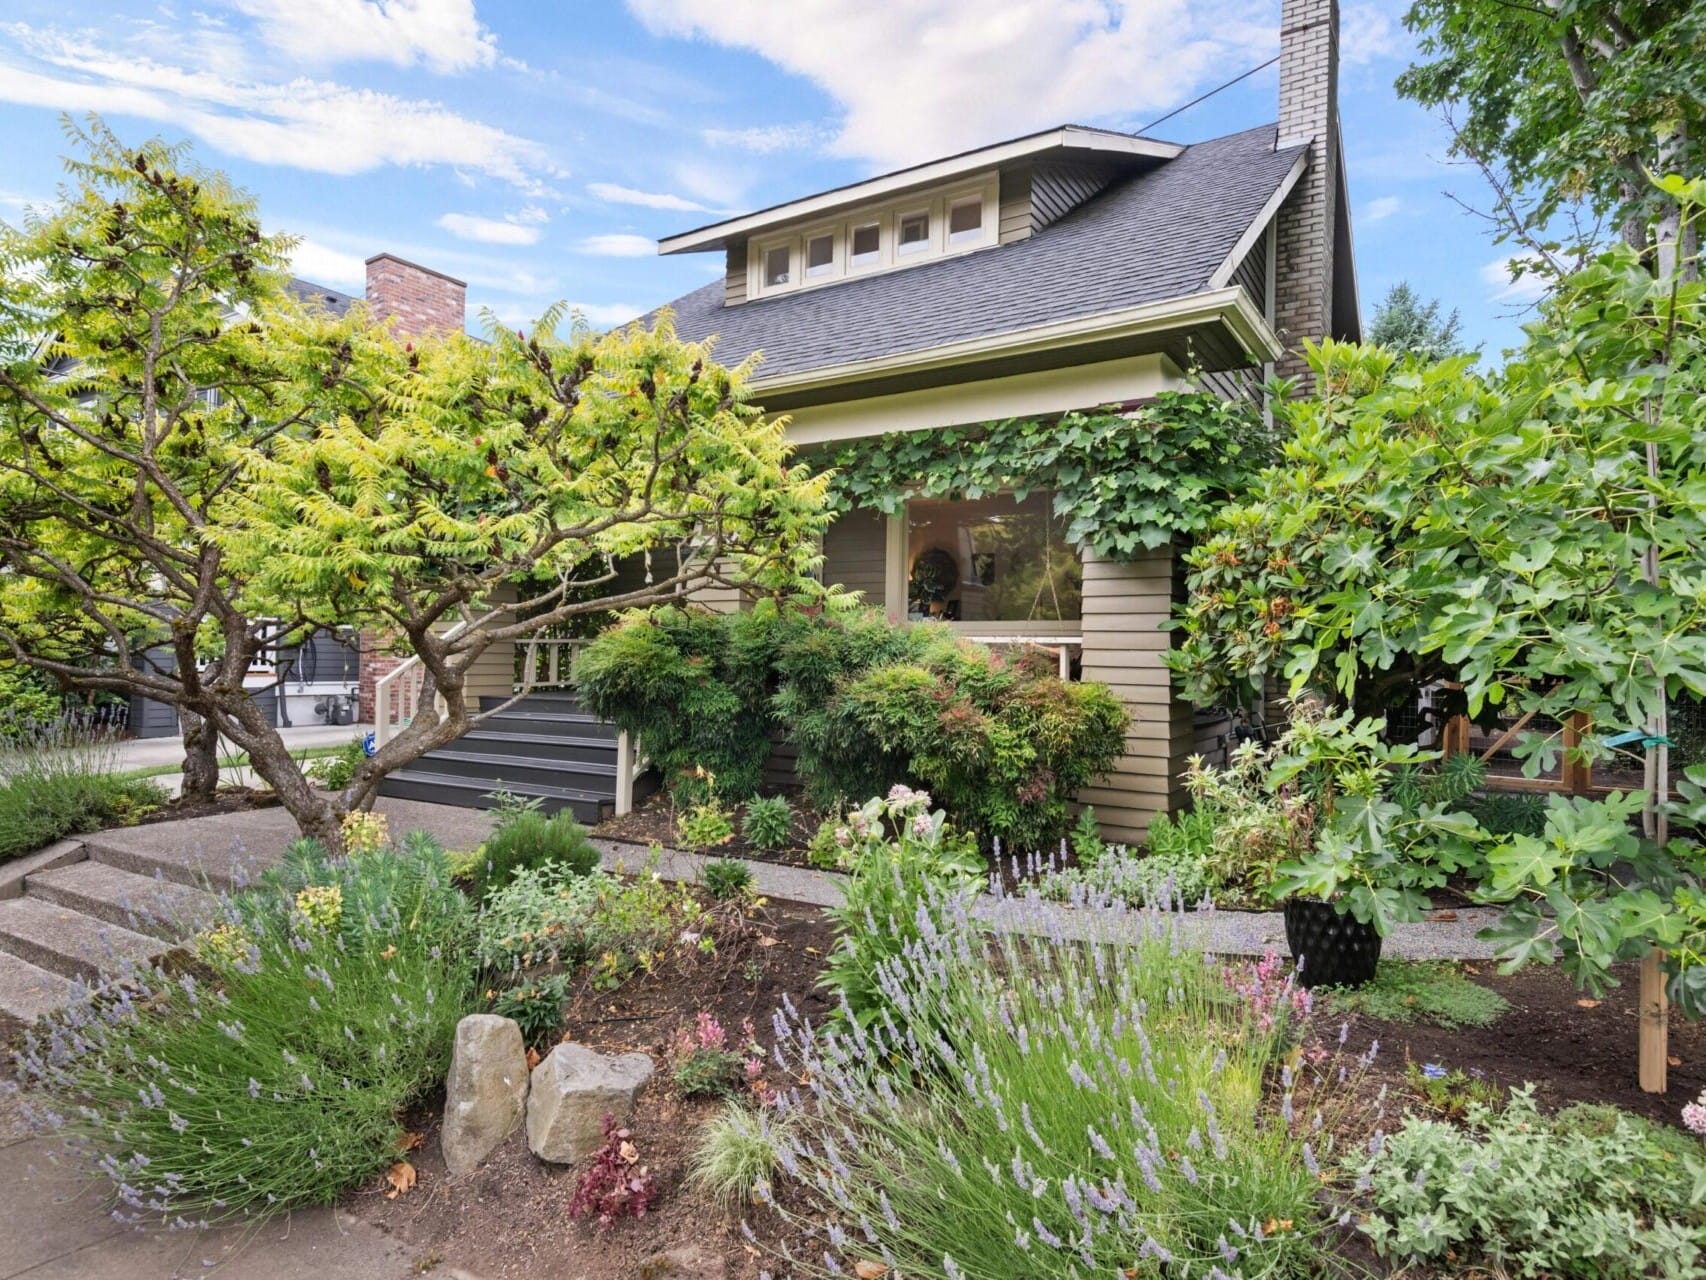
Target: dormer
964,204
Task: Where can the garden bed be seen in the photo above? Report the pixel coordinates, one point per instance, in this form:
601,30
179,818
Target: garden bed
510,1219
654,822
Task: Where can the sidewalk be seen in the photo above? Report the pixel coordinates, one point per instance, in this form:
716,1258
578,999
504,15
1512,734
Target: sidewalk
147,753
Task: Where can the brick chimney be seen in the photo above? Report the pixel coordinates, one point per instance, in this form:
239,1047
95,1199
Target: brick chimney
1309,221
414,298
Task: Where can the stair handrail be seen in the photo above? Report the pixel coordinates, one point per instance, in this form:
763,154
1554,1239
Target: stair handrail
407,678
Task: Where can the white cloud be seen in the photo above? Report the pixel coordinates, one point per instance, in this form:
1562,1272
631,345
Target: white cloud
935,76
601,315
611,193
444,35
767,139
620,245
1381,208
470,226
306,124
1365,34
1530,287
323,264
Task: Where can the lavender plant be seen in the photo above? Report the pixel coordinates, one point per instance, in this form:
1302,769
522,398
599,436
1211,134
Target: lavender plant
271,1071
1038,1102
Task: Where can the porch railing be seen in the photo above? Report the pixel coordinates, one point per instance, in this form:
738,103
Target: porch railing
544,662
1060,646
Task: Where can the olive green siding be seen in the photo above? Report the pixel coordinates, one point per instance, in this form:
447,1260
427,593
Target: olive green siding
734,280
855,550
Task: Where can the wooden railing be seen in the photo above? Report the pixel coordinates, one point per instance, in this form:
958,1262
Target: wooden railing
545,662
1060,646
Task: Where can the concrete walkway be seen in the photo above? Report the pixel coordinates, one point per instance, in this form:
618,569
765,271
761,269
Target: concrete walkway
148,753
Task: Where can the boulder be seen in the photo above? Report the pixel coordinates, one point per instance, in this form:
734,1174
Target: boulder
689,1262
485,1095
573,1089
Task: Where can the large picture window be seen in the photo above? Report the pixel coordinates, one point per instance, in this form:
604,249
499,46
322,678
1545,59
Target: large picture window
991,560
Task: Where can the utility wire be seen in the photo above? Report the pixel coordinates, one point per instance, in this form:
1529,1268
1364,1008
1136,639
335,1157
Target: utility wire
1205,97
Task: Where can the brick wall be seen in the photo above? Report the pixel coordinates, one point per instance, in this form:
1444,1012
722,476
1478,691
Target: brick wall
1308,112
415,299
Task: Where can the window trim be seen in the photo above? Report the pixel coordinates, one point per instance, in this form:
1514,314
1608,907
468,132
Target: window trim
791,245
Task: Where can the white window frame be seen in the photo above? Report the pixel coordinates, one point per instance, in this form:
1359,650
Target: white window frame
904,252
935,205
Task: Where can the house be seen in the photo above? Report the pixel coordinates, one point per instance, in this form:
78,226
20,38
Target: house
1068,269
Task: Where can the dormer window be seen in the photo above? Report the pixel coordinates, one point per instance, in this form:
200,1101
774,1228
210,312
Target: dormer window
914,228
965,220
867,245
914,236
820,255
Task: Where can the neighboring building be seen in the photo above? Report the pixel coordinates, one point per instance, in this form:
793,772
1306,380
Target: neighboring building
333,674
1068,269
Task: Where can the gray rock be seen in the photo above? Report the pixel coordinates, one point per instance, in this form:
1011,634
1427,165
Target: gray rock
574,1088
690,1262
486,1093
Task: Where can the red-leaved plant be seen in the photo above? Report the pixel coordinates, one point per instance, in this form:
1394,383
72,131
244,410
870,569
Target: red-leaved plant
615,1184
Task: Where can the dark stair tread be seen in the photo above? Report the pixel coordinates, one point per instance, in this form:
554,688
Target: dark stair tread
523,762
452,782
484,734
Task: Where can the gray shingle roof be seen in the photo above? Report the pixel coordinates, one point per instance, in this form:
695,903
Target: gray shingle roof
1148,238
318,294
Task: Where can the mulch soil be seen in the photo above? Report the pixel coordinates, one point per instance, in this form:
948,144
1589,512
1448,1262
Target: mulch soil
225,800
510,1217
653,822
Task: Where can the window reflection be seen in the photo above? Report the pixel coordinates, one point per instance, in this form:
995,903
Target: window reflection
991,560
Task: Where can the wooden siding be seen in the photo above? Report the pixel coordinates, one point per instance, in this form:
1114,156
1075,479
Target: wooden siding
855,552
1058,189
1015,205
734,279
1125,605
1252,274
1234,384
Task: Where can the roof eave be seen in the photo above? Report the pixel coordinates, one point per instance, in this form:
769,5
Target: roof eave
1230,307
717,235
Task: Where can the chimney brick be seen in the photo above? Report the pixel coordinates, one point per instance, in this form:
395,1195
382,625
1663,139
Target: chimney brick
415,299
1308,113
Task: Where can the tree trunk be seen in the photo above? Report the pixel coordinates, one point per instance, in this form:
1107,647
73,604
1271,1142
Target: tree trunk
201,757
318,814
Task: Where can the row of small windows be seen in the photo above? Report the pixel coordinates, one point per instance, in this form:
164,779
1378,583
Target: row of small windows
864,242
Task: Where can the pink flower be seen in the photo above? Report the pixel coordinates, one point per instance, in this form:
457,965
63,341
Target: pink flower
1694,1115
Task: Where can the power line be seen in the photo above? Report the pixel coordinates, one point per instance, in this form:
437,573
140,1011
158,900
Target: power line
1205,97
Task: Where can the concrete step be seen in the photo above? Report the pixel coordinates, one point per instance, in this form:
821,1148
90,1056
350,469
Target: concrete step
147,904
26,992
69,942
568,748
418,783
495,768
142,851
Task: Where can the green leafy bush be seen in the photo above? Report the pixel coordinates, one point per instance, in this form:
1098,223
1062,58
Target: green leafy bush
1174,866
768,822
1431,991
28,701
337,771
693,686
1000,741
727,879
1590,1196
706,825
57,779
905,860
524,837
273,1072
536,1006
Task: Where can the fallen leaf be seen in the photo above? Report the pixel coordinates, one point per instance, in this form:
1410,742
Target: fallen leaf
388,952
1441,917
1469,968
410,1142
401,1178
813,951
865,1269
1275,1225
1585,1003
1674,1061
766,941
532,1059
629,1154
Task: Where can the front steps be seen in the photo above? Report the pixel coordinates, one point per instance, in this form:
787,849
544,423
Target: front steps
546,747
82,919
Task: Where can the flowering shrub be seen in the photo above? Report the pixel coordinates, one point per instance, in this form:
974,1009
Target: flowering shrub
615,1185
1042,1105
1694,1115
365,832
1269,991
1592,1192
703,1064
272,1072
899,882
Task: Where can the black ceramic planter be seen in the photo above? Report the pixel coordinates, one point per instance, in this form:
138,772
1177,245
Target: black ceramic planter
1331,950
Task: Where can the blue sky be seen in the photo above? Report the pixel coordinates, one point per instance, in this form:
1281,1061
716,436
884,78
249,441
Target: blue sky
537,150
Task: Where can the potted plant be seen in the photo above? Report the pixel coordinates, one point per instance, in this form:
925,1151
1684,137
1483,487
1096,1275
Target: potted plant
1377,848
